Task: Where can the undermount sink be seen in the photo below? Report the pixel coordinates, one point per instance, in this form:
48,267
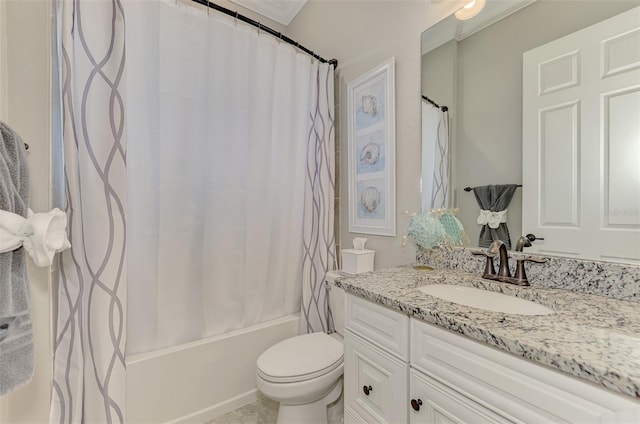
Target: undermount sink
483,299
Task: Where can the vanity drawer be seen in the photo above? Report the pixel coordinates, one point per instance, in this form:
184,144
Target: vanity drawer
435,402
382,326
375,384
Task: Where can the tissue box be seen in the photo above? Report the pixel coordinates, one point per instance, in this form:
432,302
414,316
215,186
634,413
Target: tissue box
357,261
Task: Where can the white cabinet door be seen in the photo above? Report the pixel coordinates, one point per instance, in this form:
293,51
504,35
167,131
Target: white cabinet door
375,384
435,403
581,142
466,373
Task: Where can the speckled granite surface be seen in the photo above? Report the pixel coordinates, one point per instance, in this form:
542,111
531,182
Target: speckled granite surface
619,281
593,337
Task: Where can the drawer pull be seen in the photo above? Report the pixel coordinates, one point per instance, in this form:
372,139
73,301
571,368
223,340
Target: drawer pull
367,390
415,404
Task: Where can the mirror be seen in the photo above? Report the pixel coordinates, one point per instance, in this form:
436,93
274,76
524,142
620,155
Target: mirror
475,68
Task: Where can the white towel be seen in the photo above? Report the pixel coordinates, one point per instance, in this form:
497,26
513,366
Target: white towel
16,338
41,234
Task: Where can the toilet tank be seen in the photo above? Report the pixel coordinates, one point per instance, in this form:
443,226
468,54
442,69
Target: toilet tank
336,301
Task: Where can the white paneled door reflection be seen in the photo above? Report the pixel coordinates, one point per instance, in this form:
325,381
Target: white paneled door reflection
581,142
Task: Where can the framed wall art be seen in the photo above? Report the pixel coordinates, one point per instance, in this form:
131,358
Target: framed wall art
371,139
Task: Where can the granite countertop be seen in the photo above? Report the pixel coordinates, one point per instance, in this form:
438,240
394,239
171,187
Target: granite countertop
596,338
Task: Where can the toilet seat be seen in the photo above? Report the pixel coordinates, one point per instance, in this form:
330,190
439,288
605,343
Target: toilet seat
300,358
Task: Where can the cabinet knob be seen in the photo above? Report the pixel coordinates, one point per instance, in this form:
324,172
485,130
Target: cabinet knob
367,390
415,404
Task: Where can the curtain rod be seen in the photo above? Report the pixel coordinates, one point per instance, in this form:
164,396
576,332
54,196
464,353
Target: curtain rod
471,188
442,108
261,27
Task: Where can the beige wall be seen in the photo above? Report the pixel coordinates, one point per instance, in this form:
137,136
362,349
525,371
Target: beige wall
26,33
362,35
439,84
3,61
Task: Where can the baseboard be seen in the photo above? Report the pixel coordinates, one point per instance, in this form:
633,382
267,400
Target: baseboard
217,410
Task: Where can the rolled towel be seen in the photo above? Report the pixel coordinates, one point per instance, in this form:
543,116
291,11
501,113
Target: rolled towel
41,234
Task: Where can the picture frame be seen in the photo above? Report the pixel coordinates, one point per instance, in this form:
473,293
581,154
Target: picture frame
371,151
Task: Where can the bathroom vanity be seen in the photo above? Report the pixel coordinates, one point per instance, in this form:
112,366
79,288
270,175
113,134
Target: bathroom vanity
411,357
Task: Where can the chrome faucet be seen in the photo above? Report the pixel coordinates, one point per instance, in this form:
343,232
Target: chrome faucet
504,274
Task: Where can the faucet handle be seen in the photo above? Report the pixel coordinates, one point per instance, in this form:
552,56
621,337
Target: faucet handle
521,275
532,237
535,259
489,269
483,253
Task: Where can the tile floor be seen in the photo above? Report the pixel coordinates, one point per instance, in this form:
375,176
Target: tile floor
262,411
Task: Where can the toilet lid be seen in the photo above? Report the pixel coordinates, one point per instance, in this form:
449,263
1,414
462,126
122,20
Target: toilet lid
300,358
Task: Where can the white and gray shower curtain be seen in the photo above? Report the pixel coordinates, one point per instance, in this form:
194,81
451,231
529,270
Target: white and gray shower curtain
319,234
435,158
223,207
89,348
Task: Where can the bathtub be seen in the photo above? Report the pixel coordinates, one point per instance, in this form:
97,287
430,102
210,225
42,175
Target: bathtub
198,381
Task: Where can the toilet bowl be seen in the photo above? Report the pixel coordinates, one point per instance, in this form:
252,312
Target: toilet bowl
304,373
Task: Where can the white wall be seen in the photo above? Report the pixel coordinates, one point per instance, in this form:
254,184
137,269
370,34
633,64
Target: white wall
25,106
362,35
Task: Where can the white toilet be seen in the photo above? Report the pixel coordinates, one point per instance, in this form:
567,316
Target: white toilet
304,373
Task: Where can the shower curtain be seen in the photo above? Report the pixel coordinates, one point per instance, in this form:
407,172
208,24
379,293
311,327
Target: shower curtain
225,204
89,347
219,120
435,157
319,250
